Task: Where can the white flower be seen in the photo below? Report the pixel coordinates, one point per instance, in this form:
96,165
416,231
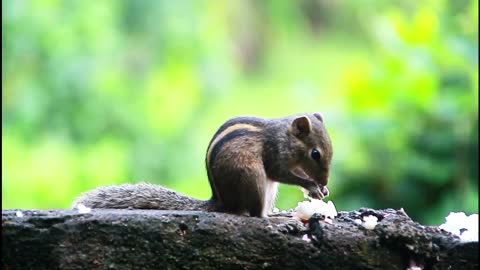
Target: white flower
82,209
461,225
469,236
306,209
454,222
332,210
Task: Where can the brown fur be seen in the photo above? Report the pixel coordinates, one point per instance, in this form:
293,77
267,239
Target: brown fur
139,196
246,159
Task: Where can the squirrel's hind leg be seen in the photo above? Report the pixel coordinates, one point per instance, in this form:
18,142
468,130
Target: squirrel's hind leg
248,185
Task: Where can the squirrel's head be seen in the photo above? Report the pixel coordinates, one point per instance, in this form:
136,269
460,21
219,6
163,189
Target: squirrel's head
312,147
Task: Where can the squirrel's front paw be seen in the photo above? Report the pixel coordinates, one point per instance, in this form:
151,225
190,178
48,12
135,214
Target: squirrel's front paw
324,191
315,192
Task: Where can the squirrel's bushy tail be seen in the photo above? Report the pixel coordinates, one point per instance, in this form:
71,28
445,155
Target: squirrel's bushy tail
140,196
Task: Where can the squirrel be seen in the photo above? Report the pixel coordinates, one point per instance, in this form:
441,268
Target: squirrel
246,159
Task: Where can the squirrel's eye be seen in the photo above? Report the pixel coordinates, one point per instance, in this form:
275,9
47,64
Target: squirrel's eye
315,154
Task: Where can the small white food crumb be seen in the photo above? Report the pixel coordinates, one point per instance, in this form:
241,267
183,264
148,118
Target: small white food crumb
306,239
19,214
82,209
414,266
466,227
305,193
306,209
369,222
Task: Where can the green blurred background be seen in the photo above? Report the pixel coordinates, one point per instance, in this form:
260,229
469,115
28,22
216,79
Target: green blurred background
106,92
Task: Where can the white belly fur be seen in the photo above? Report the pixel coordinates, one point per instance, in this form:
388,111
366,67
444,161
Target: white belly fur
271,190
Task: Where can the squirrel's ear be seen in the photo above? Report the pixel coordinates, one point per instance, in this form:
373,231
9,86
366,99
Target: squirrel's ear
301,126
318,116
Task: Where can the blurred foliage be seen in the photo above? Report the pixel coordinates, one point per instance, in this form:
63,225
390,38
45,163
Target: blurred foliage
105,92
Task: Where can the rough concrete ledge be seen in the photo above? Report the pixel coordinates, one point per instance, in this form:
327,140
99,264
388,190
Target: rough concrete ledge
154,239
